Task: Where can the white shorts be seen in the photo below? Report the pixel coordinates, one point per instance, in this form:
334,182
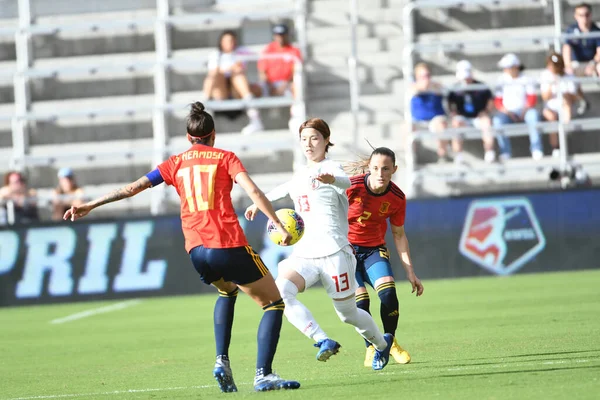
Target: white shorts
336,271
474,122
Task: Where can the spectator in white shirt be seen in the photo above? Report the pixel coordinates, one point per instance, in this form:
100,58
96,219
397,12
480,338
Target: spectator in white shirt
227,78
553,78
515,100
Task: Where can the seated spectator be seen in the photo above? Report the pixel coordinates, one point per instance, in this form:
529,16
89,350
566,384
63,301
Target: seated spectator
277,74
582,56
553,78
515,101
66,194
227,78
472,107
21,198
427,108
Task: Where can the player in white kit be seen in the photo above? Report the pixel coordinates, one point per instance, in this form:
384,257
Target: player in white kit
324,253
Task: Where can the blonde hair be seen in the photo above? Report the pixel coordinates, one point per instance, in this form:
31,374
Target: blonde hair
421,65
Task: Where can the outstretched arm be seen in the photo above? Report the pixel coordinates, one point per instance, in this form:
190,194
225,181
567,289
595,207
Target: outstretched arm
262,202
76,212
337,178
401,242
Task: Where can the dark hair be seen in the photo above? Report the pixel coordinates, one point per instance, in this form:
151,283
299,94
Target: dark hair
9,173
319,125
384,151
557,60
582,5
225,33
200,124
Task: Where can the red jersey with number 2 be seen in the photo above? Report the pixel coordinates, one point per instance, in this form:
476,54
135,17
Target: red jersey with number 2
368,212
203,177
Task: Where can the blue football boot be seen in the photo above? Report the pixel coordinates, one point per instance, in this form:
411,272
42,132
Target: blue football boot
327,348
272,381
223,375
381,358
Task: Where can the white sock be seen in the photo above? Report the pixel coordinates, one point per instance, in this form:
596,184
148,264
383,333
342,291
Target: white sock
361,320
297,313
253,114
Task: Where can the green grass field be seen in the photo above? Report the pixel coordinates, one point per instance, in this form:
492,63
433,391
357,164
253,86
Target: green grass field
526,336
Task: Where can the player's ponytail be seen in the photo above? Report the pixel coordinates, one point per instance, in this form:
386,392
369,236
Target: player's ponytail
358,167
200,124
361,166
318,125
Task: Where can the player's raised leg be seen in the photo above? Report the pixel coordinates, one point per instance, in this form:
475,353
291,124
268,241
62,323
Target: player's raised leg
295,274
338,278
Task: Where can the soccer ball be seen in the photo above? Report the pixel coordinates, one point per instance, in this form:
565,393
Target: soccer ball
293,223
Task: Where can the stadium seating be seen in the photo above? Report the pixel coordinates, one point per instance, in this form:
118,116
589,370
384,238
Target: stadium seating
104,79
92,91
445,36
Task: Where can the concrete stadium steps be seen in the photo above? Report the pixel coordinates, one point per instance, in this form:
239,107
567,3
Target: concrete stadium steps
528,13
380,75
368,103
108,126
112,75
364,46
336,13
139,36
127,160
362,31
512,175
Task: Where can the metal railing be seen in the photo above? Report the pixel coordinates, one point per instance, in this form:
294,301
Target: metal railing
160,66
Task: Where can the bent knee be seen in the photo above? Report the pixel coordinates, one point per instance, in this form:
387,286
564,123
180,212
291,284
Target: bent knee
287,289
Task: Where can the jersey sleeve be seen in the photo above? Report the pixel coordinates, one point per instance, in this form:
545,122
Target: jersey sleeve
279,192
397,219
168,169
342,182
234,166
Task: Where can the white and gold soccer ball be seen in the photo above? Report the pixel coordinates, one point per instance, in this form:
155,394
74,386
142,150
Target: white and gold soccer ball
293,223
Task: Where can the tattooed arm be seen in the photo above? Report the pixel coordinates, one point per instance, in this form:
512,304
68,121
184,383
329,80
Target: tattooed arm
76,212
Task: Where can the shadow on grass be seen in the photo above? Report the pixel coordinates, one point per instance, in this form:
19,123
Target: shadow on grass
555,353
523,371
560,356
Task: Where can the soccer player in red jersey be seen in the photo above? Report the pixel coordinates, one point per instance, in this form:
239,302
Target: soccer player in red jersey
203,177
374,199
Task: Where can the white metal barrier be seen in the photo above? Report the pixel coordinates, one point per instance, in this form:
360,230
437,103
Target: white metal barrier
160,67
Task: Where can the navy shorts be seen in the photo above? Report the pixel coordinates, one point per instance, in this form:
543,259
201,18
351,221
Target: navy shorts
240,265
372,263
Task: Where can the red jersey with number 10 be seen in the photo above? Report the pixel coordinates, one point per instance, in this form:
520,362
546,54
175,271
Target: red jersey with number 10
203,177
369,212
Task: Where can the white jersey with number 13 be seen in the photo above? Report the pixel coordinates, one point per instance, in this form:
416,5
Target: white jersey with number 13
323,207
